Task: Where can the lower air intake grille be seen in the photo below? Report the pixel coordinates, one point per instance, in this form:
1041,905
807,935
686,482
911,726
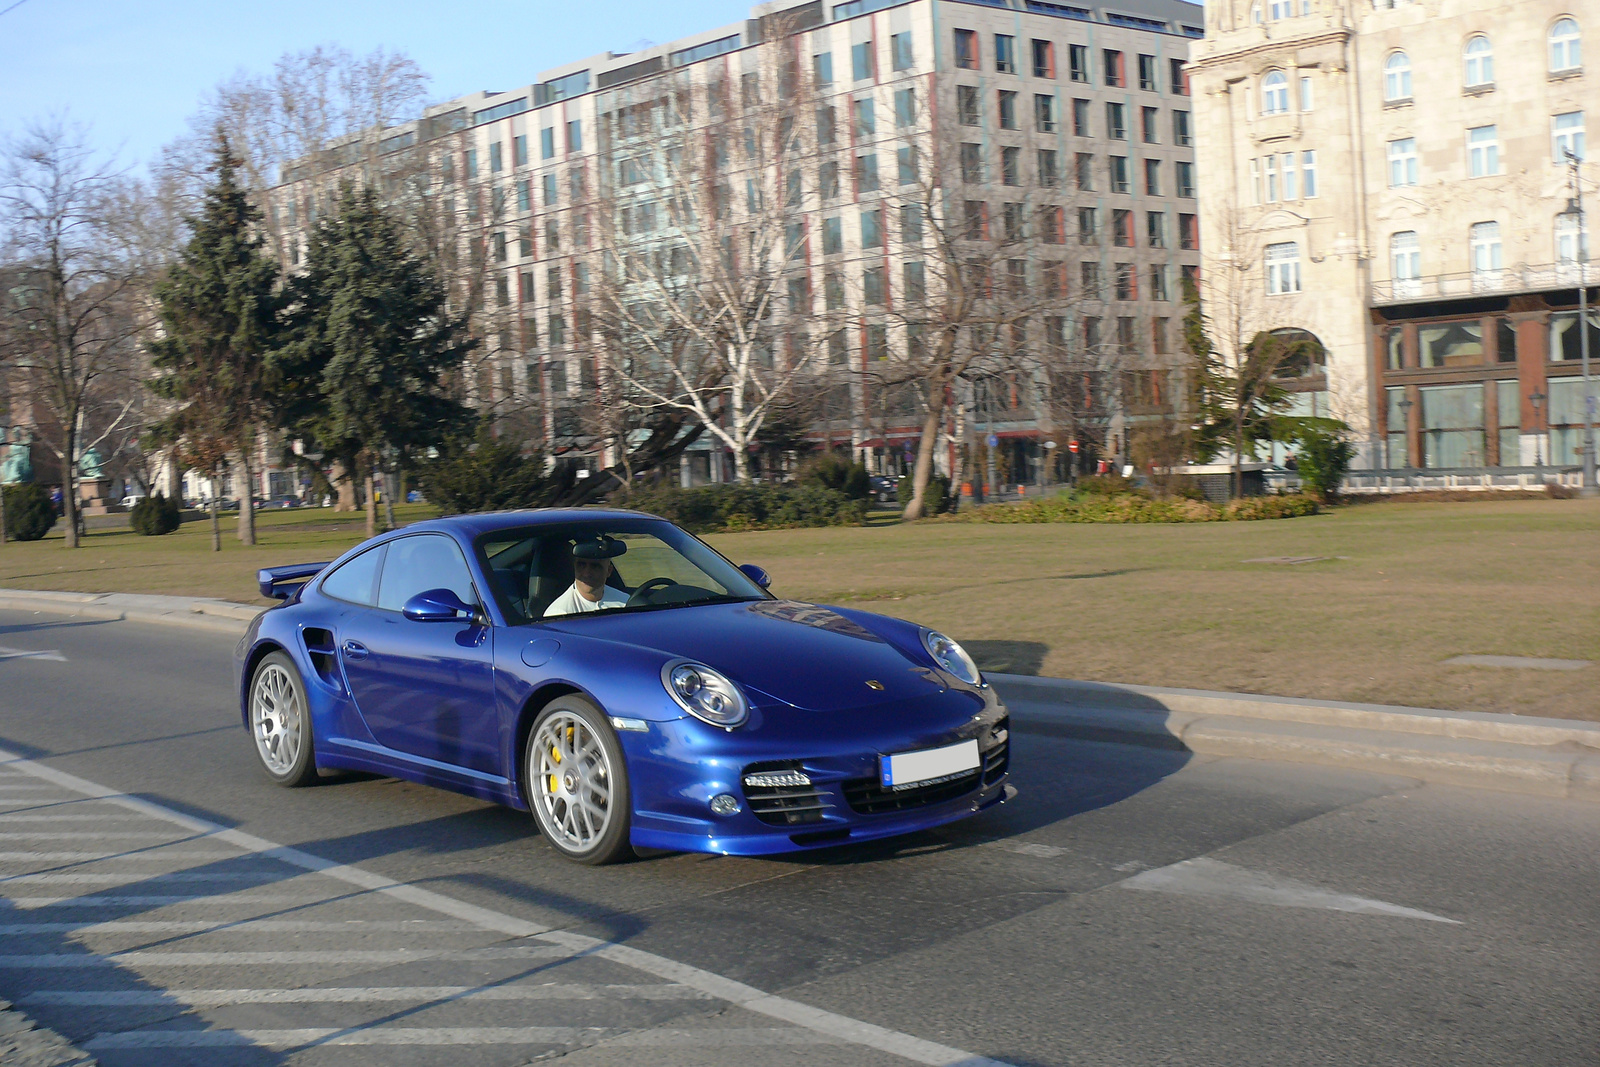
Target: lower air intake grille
793,803
867,797
997,760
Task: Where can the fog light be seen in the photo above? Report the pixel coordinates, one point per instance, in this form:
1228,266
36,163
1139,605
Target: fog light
725,804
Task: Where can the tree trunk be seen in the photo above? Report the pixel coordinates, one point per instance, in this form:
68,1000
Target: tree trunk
372,502
391,485
216,521
247,513
922,473
2,514
344,487
69,489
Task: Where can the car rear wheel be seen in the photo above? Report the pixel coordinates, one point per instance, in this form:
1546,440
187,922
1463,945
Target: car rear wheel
577,782
280,721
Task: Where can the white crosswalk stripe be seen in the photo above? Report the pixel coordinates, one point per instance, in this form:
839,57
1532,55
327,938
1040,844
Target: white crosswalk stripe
137,857
49,960
127,998
161,900
195,926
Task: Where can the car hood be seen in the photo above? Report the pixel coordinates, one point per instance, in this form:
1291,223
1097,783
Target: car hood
804,655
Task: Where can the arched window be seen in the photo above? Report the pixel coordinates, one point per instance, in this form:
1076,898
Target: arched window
1479,58
1566,51
1397,77
1255,13
1275,93
1307,358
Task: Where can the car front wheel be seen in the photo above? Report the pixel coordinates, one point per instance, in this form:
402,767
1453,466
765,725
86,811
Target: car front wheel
280,721
578,783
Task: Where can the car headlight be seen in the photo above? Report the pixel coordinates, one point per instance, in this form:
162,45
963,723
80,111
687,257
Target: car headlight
705,694
952,657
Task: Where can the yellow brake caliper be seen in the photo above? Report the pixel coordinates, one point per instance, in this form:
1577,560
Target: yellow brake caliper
555,754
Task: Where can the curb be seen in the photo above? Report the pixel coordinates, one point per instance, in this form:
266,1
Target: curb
1511,753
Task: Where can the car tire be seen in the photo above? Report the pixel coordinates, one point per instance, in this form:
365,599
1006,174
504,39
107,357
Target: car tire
577,782
280,722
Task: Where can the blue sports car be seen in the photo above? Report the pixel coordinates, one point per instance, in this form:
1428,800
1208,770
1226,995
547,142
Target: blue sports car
622,680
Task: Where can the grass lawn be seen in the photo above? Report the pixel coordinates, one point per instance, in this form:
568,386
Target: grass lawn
1401,588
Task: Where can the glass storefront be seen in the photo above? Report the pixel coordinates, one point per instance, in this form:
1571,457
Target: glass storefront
1510,404
1452,425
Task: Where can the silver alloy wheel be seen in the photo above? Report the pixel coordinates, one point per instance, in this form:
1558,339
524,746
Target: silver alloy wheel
276,719
571,780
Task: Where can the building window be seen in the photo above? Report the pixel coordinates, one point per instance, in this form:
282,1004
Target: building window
967,105
1044,113
1152,177
826,126
1571,245
1452,425
833,290
1053,225
1117,122
547,143
1275,93
822,67
1122,228
828,180
832,236
1566,344
1308,174
906,157
1147,74
1005,54
1185,176
1049,168
977,217
967,49
1403,162
872,289
1155,228
872,229
1188,232
861,65
1178,76
1149,117
905,107
497,161
548,181
1011,218
1007,106
1158,282
1127,285
1181,135
1283,268
1305,94
1405,262
1478,58
971,163
1044,59
1483,151
1084,171
1485,248
1397,78
900,51
865,118
575,135
1089,281
1116,71
1566,137
1080,118
916,281
1078,62
1119,174
1088,226
1010,166
867,173
1270,170
911,224
1565,47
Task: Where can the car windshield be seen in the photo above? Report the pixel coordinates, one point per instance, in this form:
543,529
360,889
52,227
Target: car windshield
561,570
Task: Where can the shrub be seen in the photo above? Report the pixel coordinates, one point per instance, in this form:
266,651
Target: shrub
832,471
487,474
1138,508
1324,460
1104,484
712,508
29,513
155,515
936,500
1288,506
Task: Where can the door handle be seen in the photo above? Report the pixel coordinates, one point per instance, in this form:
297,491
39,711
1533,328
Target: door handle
355,650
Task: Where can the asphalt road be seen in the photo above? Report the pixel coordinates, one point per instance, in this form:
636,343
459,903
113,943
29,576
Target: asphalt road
1131,906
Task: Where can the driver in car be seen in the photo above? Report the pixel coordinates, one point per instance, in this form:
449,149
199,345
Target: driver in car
591,566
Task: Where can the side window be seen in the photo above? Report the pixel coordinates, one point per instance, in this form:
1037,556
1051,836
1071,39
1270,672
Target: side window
354,580
417,564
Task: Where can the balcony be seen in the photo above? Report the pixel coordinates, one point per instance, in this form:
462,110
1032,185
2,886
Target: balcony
1504,282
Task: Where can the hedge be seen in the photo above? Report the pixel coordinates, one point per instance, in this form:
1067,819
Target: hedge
1138,508
714,508
154,516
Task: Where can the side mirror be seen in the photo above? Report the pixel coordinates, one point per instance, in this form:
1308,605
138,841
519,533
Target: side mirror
756,574
437,605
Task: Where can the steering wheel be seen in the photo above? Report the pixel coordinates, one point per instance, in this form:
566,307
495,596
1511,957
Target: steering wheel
641,594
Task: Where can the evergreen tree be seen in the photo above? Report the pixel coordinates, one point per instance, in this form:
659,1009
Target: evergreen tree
372,345
219,307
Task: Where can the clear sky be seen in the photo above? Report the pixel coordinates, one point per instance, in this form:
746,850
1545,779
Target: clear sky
133,71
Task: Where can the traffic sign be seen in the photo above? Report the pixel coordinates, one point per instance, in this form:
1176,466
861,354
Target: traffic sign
994,439
1072,446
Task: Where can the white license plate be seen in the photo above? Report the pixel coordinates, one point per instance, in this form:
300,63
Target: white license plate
915,768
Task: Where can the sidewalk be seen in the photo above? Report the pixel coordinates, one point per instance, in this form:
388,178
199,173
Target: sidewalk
1512,753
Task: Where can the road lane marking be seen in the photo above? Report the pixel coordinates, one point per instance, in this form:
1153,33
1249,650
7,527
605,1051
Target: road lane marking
91,835
52,655
119,857
206,998
318,1036
818,1020
161,900
108,817
133,878
143,958
197,926
1204,877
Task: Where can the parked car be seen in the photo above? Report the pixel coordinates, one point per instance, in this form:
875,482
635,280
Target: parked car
128,502
278,502
884,489
686,709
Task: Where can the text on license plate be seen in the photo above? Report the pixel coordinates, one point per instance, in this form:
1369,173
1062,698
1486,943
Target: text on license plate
903,769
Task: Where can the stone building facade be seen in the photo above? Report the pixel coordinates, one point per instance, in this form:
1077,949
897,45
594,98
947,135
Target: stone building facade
1394,177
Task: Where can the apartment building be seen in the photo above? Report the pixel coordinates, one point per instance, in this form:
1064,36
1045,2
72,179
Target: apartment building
1075,117
1394,178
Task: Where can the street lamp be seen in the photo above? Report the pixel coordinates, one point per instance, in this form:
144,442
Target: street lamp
1575,206
1537,400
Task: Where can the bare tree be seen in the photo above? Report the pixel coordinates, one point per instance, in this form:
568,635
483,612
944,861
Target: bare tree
698,222
73,311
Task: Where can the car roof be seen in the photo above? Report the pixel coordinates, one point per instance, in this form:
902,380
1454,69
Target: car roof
473,526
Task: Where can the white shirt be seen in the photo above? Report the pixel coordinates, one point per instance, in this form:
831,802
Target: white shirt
573,602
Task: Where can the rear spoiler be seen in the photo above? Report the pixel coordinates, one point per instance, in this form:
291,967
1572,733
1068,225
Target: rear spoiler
281,583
